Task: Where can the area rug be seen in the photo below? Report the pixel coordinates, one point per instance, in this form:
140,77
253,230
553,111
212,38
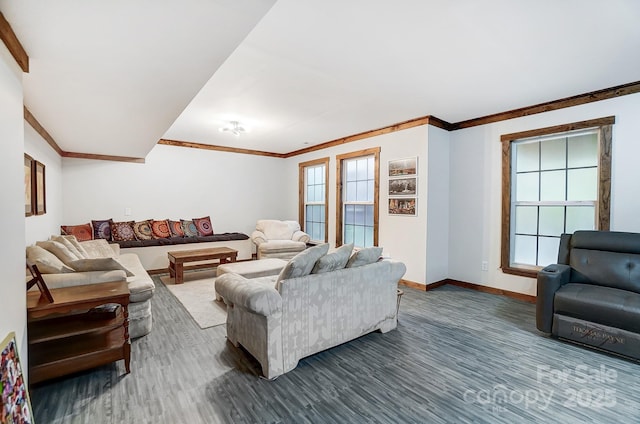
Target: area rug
197,295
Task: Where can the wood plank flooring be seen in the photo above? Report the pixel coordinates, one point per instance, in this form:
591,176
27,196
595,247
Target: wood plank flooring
457,355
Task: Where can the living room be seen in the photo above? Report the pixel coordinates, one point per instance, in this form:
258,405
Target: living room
455,235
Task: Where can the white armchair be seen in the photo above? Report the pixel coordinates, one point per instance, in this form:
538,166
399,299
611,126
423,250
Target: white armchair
279,239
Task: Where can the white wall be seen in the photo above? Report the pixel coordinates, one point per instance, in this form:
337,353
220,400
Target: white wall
12,257
234,189
402,237
476,181
41,227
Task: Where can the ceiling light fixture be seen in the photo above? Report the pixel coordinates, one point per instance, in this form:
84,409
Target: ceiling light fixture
234,128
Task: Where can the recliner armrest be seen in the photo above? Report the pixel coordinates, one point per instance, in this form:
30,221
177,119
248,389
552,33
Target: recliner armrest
258,237
300,236
257,298
550,279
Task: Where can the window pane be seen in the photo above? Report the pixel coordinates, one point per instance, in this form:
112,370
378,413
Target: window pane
349,214
319,171
359,213
583,184
362,191
369,215
552,185
370,163
580,218
319,195
526,219
553,154
322,217
370,190
551,220
358,237
583,151
310,174
527,156
527,187
351,170
348,234
368,236
548,250
351,192
362,169
317,231
525,250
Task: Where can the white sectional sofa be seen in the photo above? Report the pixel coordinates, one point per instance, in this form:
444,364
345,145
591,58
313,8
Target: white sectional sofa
315,303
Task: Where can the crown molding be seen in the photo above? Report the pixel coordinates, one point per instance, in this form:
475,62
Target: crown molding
193,145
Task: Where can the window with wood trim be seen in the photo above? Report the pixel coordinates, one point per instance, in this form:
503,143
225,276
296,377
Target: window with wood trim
358,182
313,198
555,180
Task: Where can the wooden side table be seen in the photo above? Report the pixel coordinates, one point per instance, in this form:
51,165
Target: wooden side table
178,258
64,338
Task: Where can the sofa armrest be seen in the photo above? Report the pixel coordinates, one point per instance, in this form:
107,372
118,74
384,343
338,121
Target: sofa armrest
72,279
239,291
258,237
300,236
550,279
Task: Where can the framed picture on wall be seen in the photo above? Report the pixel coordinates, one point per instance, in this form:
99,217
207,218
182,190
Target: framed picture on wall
403,186
29,198
41,194
403,167
406,206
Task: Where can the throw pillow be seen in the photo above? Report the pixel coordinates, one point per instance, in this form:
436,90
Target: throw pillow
99,264
160,229
333,261
176,229
189,228
142,230
122,231
102,229
74,241
203,225
364,257
302,264
98,249
58,249
82,232
47,262
72,248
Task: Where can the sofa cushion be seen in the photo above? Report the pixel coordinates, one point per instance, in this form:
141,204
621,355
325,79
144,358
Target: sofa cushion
60,250
365,256
122,231
74,241
102,229
189,228
302,264
142,230
140,284
176,229
99,264
160,228
76,250
604,268
277,230
47,262
333,261
82,232
203,225
98,249
600,305
282,246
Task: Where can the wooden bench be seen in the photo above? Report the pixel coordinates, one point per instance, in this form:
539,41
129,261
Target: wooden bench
178,258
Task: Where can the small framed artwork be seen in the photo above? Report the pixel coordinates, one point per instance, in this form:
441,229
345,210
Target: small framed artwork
15,405
403,186
29,198
403,167
41,194
403,206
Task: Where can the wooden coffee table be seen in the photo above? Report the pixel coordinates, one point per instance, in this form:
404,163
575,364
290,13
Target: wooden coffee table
178,258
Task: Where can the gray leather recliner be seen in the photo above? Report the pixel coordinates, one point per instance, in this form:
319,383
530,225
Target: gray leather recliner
592,295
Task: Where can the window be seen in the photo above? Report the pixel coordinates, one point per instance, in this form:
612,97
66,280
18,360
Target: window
313,181
358,175
556,180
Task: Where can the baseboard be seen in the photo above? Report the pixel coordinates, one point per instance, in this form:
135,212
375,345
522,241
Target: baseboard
492,290
412,284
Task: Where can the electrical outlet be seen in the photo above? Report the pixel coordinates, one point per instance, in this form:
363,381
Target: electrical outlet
485,266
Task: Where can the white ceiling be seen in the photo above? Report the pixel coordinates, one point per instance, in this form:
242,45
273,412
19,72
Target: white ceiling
114,77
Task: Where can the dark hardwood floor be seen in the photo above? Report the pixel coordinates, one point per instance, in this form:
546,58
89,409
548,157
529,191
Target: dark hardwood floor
457,356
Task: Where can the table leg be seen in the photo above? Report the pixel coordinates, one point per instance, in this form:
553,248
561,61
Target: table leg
179,272
172,267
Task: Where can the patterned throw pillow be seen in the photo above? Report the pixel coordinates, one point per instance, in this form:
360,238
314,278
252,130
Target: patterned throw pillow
176,229
82,232
142,230
189,228
122,231
160,229
203,225
102,229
